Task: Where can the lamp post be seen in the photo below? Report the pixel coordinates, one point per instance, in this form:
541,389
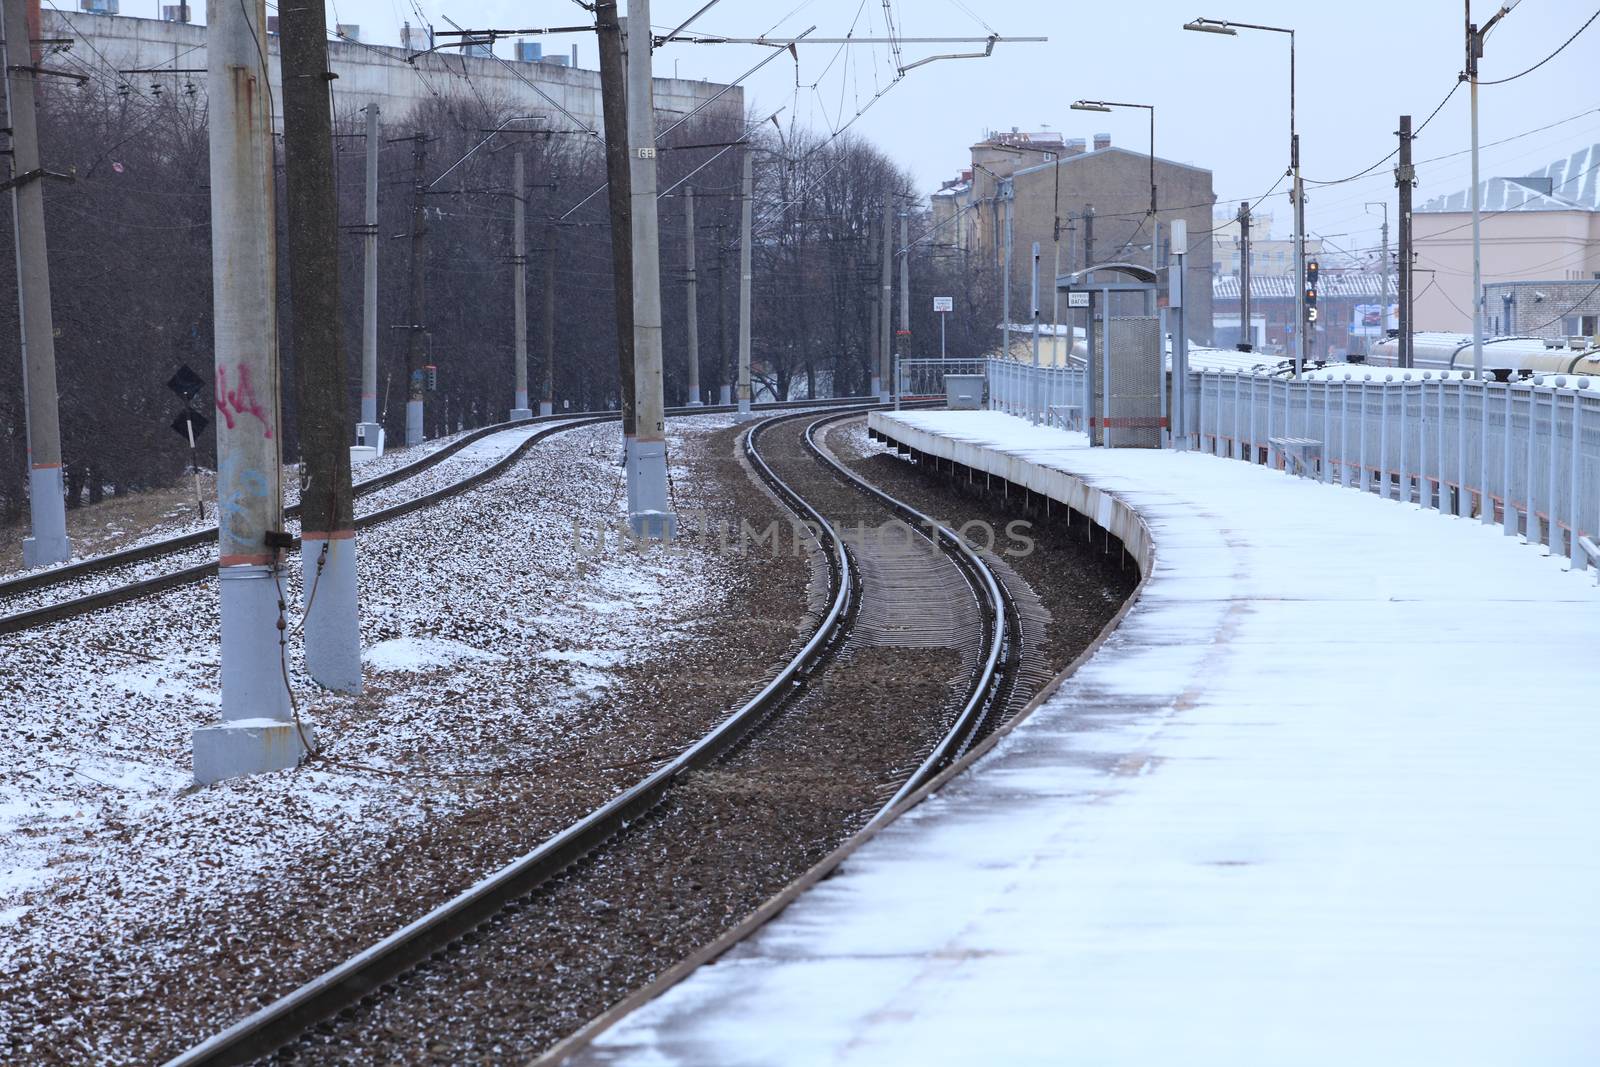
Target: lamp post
1231,29
1107,105
1475,38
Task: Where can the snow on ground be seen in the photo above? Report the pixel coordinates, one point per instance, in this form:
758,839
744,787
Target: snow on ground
491,641
184,518
1324,797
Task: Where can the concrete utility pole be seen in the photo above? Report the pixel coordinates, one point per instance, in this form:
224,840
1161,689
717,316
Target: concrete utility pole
1405,177
519,289
886,303
547,403
1033,406
1180,340
614,106
1383,271
328,531
1247,333
693,298
47,504
903,336
1007,193
725,389
370,431
1475,38
649,504
876,355
257,732
746,204
416,385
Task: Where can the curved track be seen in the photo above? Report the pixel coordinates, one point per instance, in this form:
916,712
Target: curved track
77,592
879,599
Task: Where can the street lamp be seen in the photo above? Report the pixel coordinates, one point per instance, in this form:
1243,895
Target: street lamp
1107,105
1297,194
1475,38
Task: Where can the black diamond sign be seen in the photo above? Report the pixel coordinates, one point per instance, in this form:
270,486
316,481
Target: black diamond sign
186,418
186,383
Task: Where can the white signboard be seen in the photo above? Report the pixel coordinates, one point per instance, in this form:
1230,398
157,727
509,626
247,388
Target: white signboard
944,303
1077,300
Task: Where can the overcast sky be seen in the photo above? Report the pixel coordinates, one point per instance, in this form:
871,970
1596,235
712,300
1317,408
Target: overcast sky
1222,102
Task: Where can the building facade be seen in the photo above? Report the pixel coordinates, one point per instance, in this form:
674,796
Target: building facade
1078,199
1549,308
170,56
1543,229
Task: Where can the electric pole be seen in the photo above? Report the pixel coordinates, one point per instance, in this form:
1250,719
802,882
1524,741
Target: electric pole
257,731
724,378
614,106
1007,192
416,383
649,505
370,432
327,539
746,203
519,289
903,337
693,298
886,302
876,300
1405,177
1383,307
1247,332
47,504
547,402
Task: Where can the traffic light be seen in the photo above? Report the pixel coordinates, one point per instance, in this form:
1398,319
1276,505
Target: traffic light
432,377
1311,291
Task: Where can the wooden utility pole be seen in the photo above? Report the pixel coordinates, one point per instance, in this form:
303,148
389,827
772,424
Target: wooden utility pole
328,549
1405,177
614,105
46,491
416,383
547,401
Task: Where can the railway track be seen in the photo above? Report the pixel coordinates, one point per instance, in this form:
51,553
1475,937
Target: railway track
75,589
891,609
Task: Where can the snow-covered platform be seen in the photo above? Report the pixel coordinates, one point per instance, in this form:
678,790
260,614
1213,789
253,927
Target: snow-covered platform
1330,794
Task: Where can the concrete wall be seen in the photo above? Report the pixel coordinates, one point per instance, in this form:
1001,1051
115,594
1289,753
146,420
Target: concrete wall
1517,246
366,73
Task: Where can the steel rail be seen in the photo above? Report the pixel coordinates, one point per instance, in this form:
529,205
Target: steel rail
325,995
73,607
1000,617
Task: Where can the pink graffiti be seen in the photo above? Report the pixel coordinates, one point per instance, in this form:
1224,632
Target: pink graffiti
242,399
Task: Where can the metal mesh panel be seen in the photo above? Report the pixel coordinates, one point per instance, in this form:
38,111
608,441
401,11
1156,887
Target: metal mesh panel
1133,407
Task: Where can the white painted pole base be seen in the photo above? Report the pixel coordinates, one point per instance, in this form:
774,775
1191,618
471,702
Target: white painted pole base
547,407
877,386
333,626
414,422
725,395
370,435
649,506
521,414
47,504
744,414
694,399
884,397
257,733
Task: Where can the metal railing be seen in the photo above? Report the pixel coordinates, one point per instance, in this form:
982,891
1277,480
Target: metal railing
1523,455
917,379
1053,396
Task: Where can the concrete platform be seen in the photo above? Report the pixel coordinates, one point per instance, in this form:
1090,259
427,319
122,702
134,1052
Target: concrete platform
1330,794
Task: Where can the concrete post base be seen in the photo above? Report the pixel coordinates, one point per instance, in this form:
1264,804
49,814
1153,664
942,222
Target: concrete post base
694,400
649,506
521,414
246,746
725,395
877,386
414,422
884,397
333,626
370,434
744,414
547,407
47,506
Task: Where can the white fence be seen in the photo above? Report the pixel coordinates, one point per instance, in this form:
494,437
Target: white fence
1524,455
